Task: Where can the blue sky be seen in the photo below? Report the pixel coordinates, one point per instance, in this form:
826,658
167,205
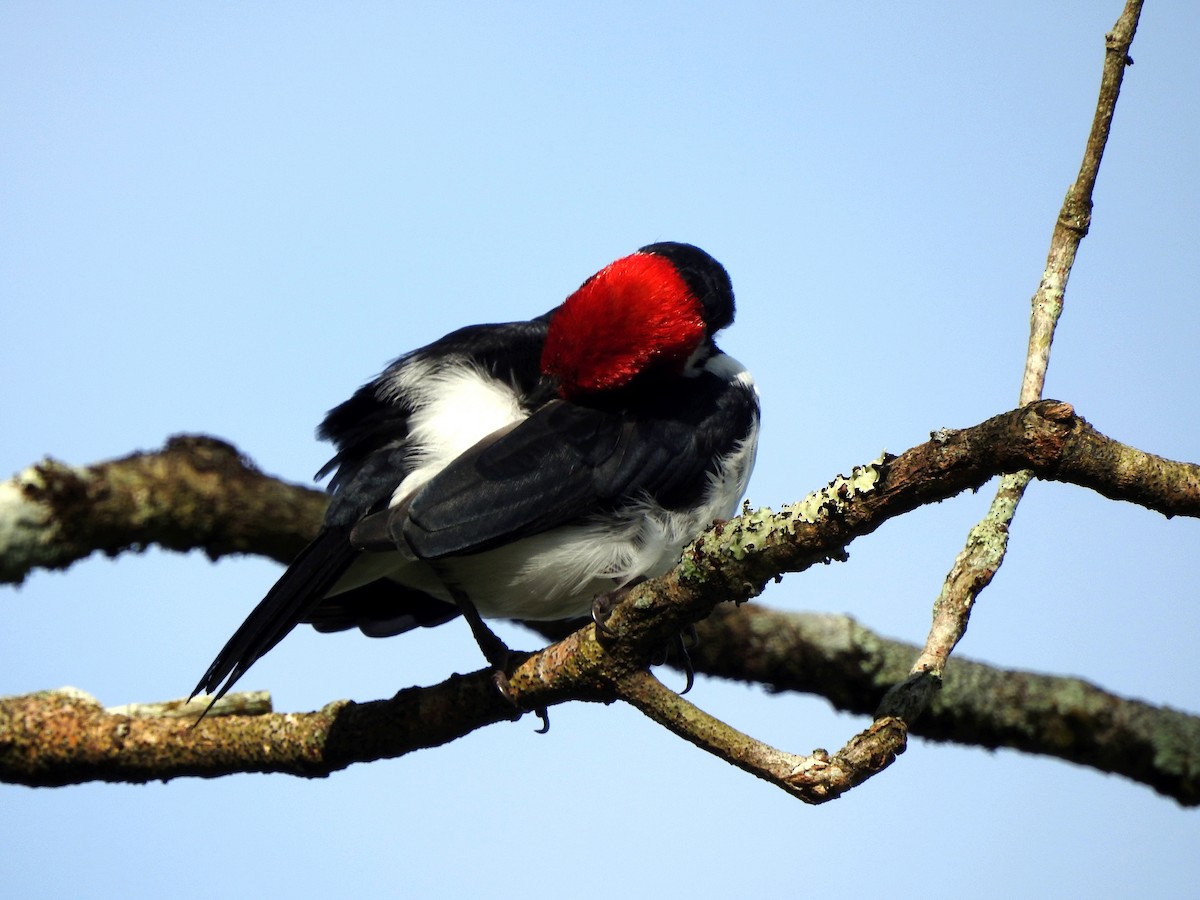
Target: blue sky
223,218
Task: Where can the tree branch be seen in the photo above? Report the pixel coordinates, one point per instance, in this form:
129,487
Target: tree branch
54,738
201,493
814,778
734,561
197,492
979,705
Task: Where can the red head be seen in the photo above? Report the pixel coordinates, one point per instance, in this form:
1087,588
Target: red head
649,310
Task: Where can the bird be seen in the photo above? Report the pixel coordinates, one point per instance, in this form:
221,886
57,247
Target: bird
525,470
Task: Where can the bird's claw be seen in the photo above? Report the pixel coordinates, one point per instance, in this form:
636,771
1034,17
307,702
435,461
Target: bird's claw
604,604
499,656
504,687
679,646
602,607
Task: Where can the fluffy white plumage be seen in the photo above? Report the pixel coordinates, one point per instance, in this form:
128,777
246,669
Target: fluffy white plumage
558,573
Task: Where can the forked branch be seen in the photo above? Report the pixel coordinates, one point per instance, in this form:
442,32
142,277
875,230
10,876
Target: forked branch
987,542
60,738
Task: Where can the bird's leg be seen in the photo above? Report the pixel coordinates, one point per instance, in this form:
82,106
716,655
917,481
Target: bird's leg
494,650
497,654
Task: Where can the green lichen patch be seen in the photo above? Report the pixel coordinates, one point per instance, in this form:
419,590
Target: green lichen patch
754,528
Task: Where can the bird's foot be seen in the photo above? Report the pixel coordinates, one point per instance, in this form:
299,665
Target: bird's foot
604,604
500,657
679,646
602,607
504,688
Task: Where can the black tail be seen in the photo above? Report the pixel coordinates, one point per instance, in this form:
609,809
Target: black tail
286,605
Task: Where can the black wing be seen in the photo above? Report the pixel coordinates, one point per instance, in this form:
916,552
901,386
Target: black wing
370,431
568,461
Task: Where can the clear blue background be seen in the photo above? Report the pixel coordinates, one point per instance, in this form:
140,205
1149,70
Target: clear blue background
223,218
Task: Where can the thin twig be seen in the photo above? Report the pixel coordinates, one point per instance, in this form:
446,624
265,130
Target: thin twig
987,541
980,705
